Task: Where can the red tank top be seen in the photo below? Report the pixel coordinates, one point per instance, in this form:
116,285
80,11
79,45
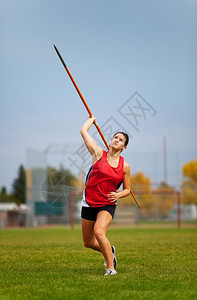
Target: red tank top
101,180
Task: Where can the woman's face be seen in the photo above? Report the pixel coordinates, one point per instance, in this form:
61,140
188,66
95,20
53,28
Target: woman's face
118,141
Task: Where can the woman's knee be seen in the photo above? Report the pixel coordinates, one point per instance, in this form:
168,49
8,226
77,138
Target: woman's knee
99,234
87,243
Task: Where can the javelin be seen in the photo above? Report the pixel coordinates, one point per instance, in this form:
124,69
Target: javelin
88,109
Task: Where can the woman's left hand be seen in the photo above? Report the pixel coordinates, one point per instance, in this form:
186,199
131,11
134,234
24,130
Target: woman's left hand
113,196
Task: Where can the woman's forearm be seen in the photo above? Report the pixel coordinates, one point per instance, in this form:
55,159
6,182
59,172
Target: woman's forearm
86,126
123,193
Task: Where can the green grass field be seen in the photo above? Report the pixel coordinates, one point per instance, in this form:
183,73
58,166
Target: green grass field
53,264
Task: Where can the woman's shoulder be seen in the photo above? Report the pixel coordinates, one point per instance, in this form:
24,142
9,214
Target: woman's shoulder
126,166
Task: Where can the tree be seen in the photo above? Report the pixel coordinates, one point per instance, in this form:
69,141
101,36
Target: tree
189,183
3,191
59,183
142,184
18,186
61,176
5,197
152,204
165,199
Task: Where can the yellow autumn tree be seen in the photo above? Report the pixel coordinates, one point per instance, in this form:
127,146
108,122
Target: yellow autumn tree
139,182
189,183
165,199
141,186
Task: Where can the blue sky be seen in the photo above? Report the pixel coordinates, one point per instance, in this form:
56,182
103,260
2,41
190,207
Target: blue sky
113,49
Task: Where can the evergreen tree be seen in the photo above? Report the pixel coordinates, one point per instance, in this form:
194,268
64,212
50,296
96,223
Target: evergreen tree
5,197
18,186
3,191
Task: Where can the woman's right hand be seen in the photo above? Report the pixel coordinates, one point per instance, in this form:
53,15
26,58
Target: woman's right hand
92,118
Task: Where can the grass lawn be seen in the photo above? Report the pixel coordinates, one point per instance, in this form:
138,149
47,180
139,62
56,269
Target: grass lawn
53,264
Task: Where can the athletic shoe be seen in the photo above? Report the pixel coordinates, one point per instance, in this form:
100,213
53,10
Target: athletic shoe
110,272
114,257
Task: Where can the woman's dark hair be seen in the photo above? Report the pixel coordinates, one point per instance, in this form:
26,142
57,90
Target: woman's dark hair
125,135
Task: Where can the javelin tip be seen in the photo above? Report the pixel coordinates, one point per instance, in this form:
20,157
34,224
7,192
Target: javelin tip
60,57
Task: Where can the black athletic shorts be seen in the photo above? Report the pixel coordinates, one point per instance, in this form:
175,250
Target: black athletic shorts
90,213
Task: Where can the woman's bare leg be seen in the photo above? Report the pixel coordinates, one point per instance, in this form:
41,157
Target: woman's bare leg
89,239
101,225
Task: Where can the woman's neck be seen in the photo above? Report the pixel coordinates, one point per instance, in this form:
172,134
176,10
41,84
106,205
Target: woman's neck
113,153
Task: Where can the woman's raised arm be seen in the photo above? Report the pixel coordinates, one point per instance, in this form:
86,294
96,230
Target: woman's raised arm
92,147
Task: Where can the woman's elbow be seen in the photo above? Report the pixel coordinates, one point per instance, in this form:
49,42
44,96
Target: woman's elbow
82,131
128,191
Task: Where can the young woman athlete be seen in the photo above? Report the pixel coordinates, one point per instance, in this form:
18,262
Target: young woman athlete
100,196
